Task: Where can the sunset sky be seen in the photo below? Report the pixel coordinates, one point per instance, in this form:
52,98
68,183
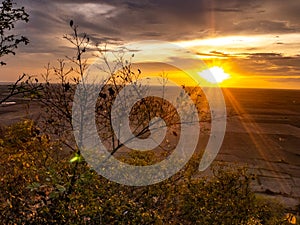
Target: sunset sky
256,42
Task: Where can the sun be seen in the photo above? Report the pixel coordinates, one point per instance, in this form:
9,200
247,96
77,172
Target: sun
214,75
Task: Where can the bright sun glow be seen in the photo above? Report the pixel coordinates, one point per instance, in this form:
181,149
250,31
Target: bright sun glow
214,75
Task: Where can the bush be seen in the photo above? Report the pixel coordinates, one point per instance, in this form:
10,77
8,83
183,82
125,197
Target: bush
38,187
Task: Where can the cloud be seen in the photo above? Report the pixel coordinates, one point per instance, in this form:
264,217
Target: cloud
269,55
265,26
168,20
215,53
267,64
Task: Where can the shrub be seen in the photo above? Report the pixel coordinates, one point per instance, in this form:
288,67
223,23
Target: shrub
37,188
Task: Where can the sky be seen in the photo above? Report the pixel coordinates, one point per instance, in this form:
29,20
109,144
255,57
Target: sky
256,42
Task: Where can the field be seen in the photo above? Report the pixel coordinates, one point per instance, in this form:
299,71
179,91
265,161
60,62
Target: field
263,132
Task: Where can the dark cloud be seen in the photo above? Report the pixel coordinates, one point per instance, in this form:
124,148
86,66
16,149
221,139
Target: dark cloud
265,26
227,10
215,54
108,40
170,20
286,80
268,55
267,64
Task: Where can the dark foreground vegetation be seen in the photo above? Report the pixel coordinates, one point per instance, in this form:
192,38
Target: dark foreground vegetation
37,187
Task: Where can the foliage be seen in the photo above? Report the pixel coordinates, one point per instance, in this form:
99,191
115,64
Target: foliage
9,16
36,182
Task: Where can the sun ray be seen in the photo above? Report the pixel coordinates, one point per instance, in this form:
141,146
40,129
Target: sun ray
261,143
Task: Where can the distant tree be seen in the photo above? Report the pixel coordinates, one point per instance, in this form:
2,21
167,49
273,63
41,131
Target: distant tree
8,18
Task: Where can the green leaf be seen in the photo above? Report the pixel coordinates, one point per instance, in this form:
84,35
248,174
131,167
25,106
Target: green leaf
75,158
53,194
33,186
60,188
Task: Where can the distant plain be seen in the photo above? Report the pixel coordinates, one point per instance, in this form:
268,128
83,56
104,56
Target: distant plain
263,132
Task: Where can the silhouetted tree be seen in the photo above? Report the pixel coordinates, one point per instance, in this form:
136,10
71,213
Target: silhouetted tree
9,16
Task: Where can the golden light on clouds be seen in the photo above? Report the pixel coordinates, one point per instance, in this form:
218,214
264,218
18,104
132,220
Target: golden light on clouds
287,44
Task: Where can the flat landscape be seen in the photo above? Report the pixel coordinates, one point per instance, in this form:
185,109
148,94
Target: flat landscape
263,132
